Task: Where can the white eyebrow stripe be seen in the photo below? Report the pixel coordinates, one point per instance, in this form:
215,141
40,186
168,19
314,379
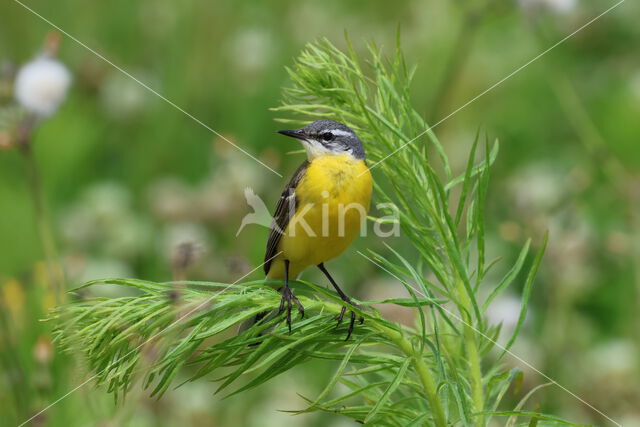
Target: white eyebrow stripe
340,132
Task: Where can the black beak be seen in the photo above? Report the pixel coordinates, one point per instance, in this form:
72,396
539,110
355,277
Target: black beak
293,133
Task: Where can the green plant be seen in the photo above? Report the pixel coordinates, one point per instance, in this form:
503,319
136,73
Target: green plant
441,371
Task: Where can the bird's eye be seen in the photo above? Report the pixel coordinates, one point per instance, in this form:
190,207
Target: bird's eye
326,136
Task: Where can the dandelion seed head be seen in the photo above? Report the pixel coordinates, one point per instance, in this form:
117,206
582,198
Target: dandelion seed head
185,234
41,85
185,253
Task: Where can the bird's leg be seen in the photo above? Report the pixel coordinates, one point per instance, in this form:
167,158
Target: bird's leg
345,298
287,297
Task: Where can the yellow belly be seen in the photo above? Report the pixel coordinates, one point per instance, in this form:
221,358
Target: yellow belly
332,202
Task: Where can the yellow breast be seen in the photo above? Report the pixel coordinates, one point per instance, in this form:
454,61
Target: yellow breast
332,203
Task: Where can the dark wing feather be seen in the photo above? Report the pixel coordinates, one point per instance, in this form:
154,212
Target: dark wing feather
285,209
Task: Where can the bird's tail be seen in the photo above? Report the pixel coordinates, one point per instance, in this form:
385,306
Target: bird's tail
258,318
263,316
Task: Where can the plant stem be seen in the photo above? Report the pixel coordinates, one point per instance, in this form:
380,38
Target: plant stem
12,363
473,355
430,386
54,270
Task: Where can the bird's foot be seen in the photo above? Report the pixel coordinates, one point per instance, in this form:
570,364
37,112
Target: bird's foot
352,319
285,304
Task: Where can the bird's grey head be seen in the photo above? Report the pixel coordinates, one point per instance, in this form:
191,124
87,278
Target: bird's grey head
328,137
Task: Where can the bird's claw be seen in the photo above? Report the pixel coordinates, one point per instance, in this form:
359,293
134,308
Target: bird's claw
352,320
287,297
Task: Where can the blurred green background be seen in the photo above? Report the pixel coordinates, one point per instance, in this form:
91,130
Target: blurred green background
127,177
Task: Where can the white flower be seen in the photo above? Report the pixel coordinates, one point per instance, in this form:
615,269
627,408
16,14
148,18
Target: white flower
538,187
123,97
557,6
505,310
561,6
259,45
41,85
634,83
613,357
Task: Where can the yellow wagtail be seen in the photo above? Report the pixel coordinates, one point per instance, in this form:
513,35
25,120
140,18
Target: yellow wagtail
321,209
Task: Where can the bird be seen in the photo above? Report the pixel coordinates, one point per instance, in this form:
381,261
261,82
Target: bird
320,211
